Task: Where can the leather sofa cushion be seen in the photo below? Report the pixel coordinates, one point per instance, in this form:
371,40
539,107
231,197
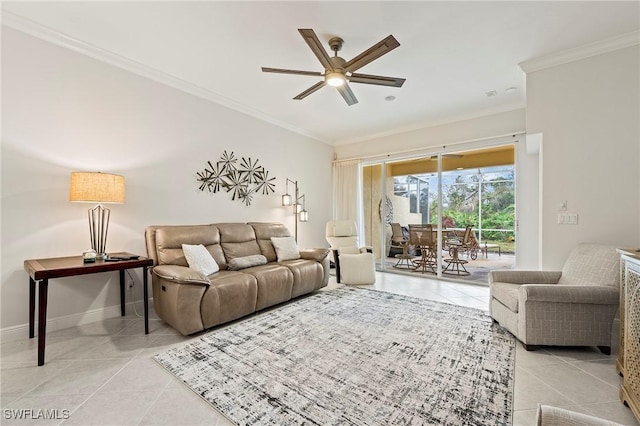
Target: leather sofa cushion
230,296
264,232
169,240
274,284
237,240
317,254
180,274
307,275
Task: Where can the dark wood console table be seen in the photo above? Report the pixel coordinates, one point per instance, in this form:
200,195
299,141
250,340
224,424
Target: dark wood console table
41,270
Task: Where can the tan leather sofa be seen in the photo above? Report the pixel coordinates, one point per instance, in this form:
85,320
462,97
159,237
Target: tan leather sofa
190,301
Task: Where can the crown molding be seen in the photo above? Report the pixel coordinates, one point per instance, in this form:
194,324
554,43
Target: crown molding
581,52
453,119
50,35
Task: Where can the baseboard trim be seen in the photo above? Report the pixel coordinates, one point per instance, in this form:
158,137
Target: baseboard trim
19,332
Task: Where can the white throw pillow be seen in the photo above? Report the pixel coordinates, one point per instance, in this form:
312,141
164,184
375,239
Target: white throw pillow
286,248
199,258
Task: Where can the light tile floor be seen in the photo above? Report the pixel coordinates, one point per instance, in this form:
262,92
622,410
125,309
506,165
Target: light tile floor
102,373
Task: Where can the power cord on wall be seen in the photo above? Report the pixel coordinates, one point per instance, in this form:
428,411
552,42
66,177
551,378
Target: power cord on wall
131,284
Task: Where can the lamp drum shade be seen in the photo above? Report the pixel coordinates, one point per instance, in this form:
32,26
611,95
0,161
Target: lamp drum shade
96,187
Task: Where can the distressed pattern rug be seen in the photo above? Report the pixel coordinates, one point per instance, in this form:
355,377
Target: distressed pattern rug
352,356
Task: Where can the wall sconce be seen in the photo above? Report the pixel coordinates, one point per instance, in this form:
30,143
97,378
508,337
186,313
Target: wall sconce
96,187
298,203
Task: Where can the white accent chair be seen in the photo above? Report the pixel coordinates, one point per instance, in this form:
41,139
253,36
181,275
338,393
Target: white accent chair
354,265
572,307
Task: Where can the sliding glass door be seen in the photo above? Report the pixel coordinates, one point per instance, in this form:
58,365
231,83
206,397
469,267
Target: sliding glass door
452,192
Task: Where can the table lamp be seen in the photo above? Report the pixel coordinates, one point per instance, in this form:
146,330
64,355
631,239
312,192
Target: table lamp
97,187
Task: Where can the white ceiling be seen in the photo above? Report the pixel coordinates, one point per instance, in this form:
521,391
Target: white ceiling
451,53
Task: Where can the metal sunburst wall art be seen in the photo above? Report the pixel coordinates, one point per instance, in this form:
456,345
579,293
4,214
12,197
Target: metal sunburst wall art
243,178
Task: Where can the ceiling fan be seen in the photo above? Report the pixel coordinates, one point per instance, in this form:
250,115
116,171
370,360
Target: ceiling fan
338,72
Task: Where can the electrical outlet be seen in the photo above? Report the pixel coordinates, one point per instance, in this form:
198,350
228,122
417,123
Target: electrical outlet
130,284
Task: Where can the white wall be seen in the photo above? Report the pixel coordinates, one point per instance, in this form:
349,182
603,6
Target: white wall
490,126
528,205
64,112
588,113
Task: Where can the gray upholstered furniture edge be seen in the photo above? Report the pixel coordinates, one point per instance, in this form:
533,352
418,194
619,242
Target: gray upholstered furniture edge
572,307
190,301
555,416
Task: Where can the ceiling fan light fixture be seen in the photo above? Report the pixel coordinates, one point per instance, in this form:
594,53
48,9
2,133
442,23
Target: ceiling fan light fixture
334,79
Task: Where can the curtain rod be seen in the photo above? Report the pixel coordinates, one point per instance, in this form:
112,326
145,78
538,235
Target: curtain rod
422,150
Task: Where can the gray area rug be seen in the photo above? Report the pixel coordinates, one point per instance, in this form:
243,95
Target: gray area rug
356,357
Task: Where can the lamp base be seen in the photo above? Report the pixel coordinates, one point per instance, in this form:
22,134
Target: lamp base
98,228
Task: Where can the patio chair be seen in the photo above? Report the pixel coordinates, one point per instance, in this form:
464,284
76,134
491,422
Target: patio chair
421,236
454,264
472,247
398,240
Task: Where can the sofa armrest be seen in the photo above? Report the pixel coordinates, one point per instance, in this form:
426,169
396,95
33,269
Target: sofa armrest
524,277
181,274
597,295
317,254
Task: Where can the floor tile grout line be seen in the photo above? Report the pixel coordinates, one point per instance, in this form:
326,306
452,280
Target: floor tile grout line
562,393
153,403
594,376
25,394
100,387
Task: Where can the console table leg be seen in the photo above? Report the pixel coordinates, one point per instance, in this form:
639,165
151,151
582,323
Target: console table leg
32,308
42,318
122,312
145,299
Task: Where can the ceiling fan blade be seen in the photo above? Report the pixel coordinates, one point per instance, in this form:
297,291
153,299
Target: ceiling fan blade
347,94
285,71
315,45
310,90
374,52
376,79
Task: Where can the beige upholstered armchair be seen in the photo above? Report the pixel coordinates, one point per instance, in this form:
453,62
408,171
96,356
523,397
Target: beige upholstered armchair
572,307
354,264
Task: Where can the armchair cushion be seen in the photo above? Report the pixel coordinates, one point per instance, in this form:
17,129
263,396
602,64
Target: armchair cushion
524,277
592,264
349,250
557,293
357,269
344,228
507,294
